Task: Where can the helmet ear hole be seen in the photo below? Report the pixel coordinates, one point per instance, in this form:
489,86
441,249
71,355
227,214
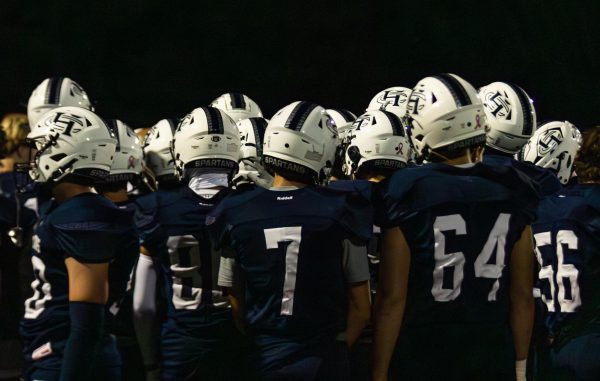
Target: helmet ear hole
354,154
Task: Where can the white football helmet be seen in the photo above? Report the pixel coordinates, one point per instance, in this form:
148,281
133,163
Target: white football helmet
510,115
127,163
55,92
238,106
206,138
554,146
300,138
393,99
379,140
158,157
444,112
343,120
252,133
71,141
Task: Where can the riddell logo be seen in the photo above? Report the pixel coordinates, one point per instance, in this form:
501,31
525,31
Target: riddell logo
284,198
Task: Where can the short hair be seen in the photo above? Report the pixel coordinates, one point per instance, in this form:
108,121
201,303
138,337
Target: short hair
587,163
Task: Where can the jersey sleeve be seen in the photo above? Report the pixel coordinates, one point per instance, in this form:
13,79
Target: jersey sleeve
355,262
217,228
357,213
93,242
147,223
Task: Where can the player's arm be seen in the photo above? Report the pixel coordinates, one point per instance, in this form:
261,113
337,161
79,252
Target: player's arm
521,298
145,321
356,271
359,310
391,299
230,278
88,293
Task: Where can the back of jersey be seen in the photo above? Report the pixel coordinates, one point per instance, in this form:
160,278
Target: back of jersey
177,237
461,225
290,247
567,238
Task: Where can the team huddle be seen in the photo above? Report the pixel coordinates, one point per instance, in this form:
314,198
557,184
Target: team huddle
444,234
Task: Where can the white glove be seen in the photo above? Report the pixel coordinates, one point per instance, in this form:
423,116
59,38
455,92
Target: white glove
253,172
521,369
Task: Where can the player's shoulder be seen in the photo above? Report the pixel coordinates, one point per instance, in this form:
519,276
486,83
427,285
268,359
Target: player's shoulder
579,203
87,209
231,199
159,199
546,181
437,183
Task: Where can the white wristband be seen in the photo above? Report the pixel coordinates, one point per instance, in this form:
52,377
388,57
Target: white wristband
521,369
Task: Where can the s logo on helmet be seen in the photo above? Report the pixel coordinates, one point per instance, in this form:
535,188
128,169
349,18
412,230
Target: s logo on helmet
498,105
67,124
416,102
549,141
392,98
358,123
215,138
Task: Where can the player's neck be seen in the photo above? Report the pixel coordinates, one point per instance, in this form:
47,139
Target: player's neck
471,156
280,181
65,191
117,196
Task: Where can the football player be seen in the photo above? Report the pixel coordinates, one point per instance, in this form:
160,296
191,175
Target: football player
237,106
15,275
512,120
554,147
199,331
457,263
81,251
125,169
147,314
377,147
297,267
567,237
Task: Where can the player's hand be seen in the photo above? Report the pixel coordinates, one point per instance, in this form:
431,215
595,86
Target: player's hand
257,174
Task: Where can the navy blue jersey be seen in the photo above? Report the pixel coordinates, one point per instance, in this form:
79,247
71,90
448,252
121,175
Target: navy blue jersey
172,228
567,236
546,181
121,303
461,225
91,229
289,246
14,274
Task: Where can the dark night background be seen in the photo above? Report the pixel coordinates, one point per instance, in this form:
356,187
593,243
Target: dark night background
143,60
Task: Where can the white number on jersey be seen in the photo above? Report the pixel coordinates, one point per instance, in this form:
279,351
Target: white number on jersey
456,261
35,305
292,236
564,273
184,255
